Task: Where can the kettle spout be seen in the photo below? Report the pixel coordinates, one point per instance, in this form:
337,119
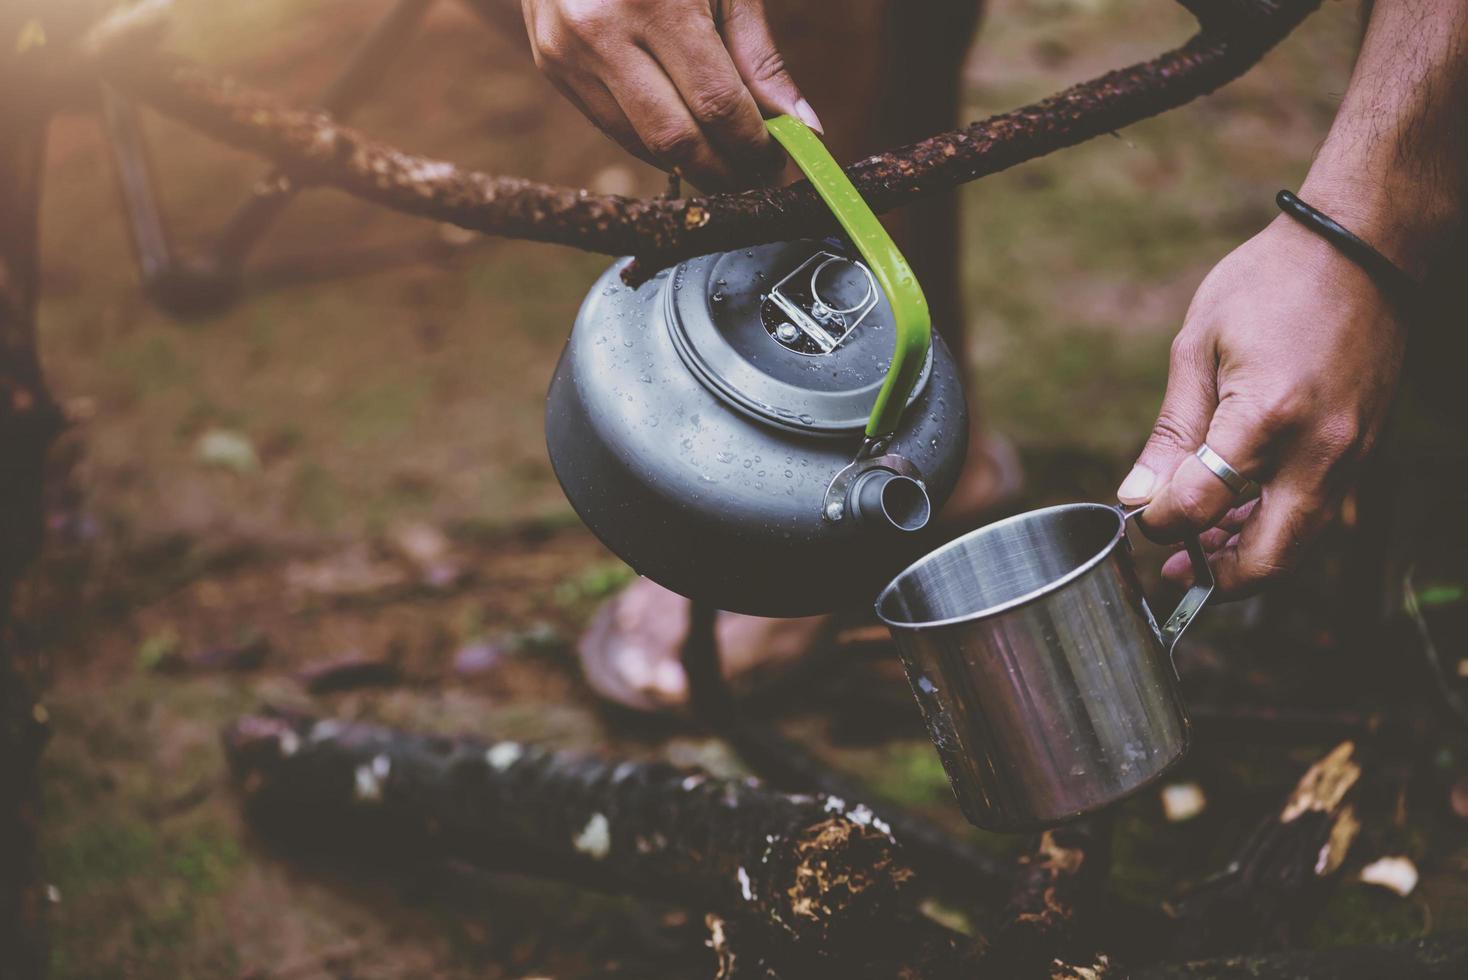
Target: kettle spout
882,498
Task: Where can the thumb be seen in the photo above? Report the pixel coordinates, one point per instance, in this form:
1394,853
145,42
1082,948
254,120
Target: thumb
747,35
1181,426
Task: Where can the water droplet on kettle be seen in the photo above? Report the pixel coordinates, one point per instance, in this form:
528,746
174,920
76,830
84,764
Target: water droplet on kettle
725,457
717,297
627,342
645,378
721,282
748,463
789,474
808,420
760,473
653,421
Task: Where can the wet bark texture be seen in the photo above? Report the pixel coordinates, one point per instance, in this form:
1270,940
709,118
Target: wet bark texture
936,854
29,421
310,146
1278,879
805,869
1058,882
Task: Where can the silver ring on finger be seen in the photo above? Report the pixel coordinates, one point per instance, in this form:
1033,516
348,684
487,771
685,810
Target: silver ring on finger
1240,484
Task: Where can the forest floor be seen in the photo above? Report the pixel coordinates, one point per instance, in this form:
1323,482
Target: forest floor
297,471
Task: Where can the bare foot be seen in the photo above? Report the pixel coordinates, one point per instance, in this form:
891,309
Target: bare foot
631,651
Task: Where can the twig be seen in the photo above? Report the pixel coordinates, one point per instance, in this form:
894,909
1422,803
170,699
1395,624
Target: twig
364,70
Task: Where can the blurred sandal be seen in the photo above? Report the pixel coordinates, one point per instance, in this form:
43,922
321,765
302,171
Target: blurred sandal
631,651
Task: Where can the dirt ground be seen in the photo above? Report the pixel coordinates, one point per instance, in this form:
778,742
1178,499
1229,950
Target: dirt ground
276,473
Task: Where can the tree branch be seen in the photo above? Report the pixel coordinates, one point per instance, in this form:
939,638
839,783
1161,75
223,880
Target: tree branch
312,147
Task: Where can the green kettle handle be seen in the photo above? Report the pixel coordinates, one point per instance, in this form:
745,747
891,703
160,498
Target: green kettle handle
909,306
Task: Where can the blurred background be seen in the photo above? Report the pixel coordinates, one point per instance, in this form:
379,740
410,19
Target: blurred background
349,463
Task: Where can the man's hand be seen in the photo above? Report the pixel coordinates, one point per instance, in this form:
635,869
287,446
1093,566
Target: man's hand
1289,354
1285,366
679,83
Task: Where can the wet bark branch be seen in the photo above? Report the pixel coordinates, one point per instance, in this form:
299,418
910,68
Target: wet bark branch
312,147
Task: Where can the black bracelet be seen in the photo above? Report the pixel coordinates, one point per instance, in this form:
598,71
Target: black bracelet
1396,284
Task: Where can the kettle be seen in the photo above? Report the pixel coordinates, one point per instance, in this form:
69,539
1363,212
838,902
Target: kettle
764,430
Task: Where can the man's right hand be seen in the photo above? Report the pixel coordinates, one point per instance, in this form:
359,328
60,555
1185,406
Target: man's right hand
683,84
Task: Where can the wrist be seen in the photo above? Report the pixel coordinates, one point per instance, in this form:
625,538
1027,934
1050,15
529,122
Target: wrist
1410,221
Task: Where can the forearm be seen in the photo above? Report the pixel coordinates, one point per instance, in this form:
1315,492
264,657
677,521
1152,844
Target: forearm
1395,164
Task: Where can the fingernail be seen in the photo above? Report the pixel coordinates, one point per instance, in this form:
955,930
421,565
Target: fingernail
807,115
1137,487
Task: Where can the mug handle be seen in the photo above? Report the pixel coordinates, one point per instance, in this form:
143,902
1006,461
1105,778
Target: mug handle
1193,600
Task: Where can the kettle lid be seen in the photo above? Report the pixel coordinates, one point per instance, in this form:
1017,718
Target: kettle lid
796,334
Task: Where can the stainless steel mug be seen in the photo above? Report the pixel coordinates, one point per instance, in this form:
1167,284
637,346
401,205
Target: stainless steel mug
1046,684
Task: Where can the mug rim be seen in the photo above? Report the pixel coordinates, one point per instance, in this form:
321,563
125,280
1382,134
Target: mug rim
1053,585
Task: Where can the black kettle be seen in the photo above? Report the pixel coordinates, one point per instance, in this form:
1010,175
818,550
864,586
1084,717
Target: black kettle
763,430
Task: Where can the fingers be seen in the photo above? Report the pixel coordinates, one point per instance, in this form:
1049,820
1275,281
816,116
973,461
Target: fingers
1181,424
1195,498
661,80
717,100
1269,543
666,127
1266,546
747,33
1178,567
598,105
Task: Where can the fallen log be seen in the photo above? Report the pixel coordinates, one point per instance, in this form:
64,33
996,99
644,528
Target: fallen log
806,869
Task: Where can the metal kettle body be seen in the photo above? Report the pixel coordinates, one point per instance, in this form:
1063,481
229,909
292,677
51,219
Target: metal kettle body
704,425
